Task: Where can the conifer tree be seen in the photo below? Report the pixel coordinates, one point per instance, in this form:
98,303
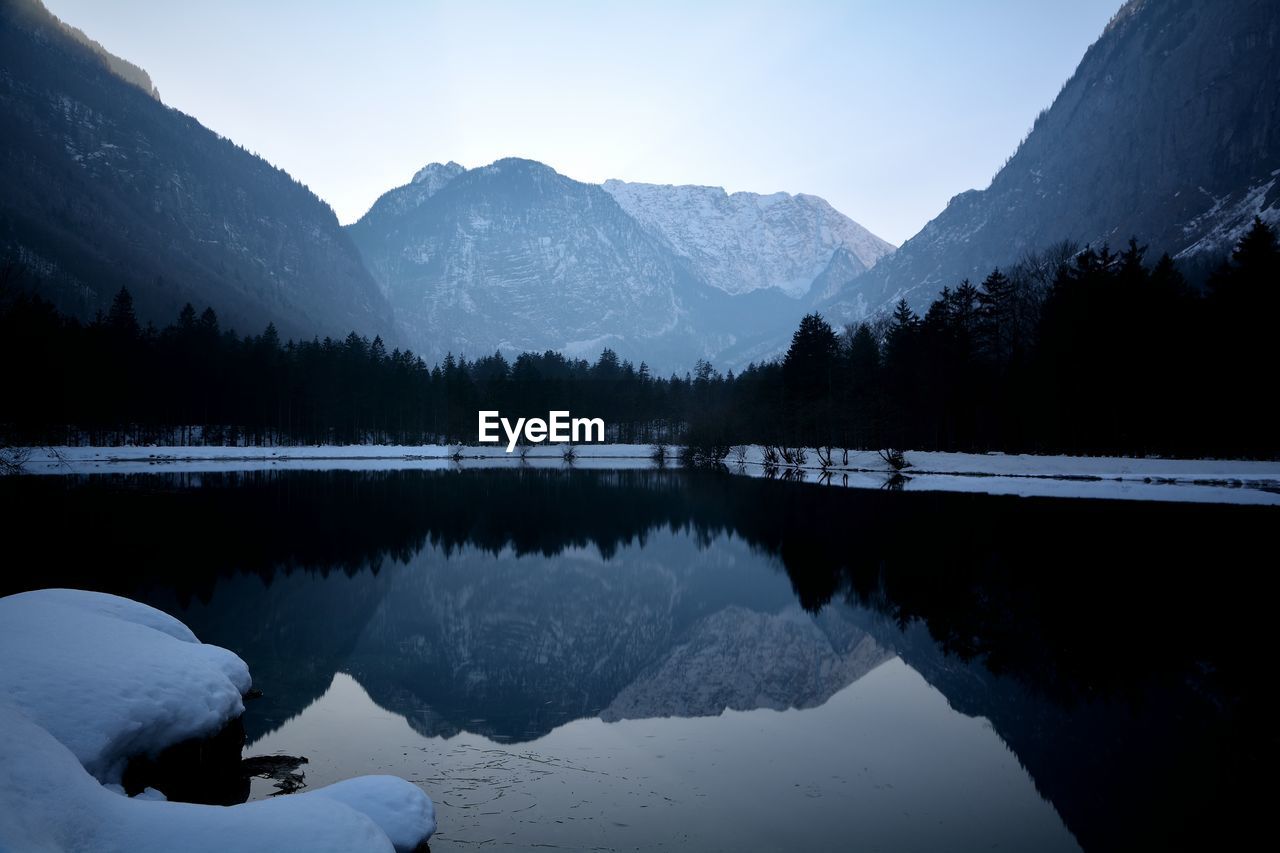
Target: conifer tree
120,318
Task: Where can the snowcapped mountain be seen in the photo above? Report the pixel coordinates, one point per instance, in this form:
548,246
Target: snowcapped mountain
743,241
1169,130
108,188
514,256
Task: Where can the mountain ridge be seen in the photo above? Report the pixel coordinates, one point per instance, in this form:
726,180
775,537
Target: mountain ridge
744,241
514,256
106,187
1167,131
508,257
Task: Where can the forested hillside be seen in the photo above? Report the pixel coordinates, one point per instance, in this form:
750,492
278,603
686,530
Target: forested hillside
1102,352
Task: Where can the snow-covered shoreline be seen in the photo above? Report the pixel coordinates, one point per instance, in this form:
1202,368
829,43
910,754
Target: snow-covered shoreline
88,681
1203,480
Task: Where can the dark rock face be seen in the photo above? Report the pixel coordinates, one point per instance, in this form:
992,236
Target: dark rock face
210,770
201,770
843,268
104,187
1168,130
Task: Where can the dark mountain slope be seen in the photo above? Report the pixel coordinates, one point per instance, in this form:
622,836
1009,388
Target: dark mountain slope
102,186
1168,130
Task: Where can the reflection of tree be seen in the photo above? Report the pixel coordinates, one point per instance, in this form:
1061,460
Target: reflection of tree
1005,580
1115,645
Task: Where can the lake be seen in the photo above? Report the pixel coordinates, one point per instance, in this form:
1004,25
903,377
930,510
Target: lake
645,659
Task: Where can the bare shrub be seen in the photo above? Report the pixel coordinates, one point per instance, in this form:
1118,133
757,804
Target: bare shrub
703,455
894,458
13,460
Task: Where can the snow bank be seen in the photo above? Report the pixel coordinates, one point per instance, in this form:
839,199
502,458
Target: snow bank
48,802
1029,465
354,457
87,459
400,809
88,680
111,678
1111,477
1229,481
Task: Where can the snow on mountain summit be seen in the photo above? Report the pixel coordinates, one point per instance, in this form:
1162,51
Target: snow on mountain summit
515,256
435,175
743,241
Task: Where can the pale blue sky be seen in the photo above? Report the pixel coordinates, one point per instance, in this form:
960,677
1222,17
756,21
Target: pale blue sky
886,109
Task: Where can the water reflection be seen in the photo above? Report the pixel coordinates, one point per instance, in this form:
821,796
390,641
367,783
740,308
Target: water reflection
884,764
511,646
1114,647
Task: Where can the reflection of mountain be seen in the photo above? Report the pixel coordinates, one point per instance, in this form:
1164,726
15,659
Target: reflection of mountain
295,631
1126,678
884,764
513,647
742,659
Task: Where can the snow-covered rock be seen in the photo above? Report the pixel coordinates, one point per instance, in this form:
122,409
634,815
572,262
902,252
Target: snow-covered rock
48,802
111,678
400,809
88,680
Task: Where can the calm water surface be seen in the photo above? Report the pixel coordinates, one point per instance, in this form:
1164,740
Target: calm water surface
590,660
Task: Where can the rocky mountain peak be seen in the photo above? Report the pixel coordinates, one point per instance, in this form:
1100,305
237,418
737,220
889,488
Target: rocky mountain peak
433,176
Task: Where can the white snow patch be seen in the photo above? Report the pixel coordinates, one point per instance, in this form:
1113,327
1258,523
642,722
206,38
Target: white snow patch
1226,221
88,680
111,678
1200,480
1231,481
743,241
